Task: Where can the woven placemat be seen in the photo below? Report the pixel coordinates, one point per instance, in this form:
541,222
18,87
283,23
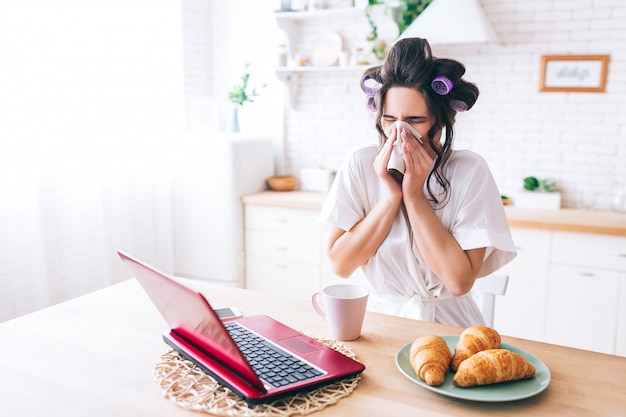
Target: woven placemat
190,388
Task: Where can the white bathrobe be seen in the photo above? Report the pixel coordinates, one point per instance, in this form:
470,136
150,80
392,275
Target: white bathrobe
399,280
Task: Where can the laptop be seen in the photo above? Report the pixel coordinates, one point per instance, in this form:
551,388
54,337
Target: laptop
268,361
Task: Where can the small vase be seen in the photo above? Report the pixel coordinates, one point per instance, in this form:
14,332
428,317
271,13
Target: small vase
234,120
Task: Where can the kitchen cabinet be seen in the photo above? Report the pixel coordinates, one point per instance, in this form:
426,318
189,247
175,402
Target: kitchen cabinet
620,343
565,287
583,308
587,273
284,251
521,311
210,176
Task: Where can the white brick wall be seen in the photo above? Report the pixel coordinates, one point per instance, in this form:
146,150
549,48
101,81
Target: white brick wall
579,139
197,57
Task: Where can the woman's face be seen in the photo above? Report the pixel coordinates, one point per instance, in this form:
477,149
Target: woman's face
408,105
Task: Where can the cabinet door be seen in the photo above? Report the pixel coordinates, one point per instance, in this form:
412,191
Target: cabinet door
520,312
620,346
586,249
583,305
283,247
281,220
283,278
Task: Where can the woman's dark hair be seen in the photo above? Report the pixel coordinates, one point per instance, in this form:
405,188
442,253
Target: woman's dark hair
410,64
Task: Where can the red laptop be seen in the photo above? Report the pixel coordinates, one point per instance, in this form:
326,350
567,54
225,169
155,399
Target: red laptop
257,357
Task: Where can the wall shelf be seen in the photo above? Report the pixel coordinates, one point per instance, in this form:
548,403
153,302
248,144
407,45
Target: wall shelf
320,14
289,22
290,75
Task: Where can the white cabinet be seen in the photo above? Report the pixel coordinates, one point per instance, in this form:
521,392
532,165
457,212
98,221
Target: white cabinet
620,343
210,176
282,250
521,311
285,251
566,288
583,308
587,274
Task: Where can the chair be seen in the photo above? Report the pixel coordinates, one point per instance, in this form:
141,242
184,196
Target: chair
484,292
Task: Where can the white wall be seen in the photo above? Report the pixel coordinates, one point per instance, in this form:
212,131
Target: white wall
220,38
90,101
577,138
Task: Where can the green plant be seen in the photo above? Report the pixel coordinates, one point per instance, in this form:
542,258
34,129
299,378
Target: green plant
404,14
379,48
407,12
240,93
531,183
548,185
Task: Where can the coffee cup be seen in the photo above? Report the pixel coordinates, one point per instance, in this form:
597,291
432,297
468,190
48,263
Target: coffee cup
344,309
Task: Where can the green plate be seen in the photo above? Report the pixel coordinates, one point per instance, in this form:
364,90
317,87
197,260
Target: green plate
505,391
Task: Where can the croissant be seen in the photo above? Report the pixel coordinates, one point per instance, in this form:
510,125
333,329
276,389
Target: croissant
473,340
430,359
492,366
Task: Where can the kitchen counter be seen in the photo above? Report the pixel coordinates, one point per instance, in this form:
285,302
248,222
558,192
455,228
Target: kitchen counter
570,220
95,356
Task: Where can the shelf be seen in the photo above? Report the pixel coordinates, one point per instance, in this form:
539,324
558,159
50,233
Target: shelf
289,23
290,75
320,14
334,68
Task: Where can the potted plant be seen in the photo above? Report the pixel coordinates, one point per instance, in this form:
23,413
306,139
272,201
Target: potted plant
407,11
538,194
240,95
403,13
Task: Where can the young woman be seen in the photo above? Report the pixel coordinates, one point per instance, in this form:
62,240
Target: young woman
421,239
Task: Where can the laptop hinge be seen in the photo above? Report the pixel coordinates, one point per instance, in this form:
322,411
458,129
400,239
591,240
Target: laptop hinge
211,365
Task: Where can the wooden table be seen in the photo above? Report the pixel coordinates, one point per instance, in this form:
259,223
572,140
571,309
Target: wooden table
95,355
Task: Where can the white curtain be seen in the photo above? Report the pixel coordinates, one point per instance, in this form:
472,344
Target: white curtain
91,101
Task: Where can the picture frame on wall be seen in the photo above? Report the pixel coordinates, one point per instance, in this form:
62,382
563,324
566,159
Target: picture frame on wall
576,73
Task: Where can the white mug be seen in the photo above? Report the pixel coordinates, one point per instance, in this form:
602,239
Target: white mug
344,309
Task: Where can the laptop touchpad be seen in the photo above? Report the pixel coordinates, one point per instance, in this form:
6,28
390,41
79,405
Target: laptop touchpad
301,345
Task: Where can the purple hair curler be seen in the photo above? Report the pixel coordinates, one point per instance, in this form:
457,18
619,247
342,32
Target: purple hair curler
370,86
371,103
442,85
458,105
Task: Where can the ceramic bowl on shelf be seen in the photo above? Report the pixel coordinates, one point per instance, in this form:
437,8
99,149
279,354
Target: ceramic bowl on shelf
282,182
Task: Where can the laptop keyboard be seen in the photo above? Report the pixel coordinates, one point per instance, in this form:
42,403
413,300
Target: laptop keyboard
272,364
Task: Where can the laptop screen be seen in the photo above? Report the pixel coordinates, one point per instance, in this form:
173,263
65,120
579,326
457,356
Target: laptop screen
182,307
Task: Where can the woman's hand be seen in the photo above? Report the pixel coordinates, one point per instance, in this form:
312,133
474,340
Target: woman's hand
382,160
418,163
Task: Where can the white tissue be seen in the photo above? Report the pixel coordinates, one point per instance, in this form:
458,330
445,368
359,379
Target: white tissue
396,161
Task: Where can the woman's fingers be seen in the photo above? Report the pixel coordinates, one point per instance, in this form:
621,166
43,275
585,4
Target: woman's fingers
382,158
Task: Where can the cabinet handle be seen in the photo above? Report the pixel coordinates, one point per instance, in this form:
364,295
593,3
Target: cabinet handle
586,274
620,254
281,220
281,266
281,248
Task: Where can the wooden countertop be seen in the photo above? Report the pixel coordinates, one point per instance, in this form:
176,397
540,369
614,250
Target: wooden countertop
95,356
570,220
